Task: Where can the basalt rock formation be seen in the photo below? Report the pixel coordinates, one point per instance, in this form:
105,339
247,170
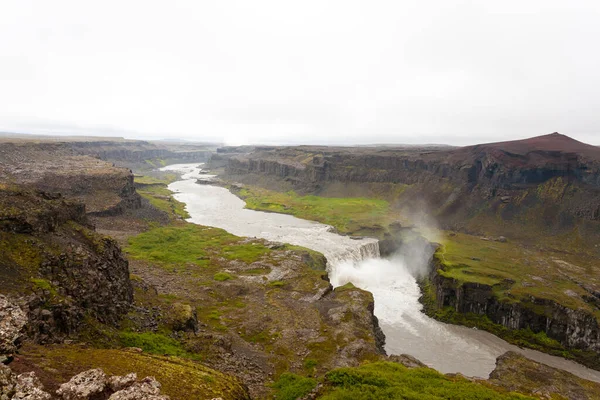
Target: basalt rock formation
551,181
56,168
573,328
55,267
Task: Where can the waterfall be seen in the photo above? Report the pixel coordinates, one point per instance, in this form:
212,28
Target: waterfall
363,250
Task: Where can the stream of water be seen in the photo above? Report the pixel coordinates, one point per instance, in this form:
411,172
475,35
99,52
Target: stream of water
447,348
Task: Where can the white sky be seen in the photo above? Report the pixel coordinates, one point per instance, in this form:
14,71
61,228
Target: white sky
305,71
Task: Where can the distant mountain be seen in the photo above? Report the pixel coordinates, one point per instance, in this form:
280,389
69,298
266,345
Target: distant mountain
547,144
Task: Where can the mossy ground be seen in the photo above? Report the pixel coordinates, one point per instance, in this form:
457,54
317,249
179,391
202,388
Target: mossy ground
190,243
515,372
347,215
386,380
180,379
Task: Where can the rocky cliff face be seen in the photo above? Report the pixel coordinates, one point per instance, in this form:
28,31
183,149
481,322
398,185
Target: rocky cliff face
56,168
574,329
499,166
137,151
552,181
56,267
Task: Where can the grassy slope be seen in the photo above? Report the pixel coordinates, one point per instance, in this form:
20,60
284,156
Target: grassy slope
347,215
386,380
234,272
56,364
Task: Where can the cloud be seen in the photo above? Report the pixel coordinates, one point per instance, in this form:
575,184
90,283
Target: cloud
329,71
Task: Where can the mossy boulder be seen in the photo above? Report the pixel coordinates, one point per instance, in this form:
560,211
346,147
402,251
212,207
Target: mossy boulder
182,317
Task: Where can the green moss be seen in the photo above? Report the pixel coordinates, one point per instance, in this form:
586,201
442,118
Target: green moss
190,243
310,364
291,386
45,285
385,380
155,343
163,180
346,287
222,276
516,272
172,207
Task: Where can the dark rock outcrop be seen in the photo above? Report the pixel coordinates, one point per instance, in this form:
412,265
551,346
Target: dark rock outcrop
56,267
12,327
551,174
574,329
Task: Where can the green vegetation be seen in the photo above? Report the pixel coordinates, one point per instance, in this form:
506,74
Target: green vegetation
156,192
385,380
222,276
347,215
45,285
156,162
189,243
165,179
155,343
291,386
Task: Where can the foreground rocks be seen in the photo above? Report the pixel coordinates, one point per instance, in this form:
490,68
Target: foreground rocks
12,328
88,385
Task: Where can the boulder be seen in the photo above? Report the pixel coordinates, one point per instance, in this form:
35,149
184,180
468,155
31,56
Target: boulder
96,385
147,389
29,387
182,317
12,324
86,385
8,382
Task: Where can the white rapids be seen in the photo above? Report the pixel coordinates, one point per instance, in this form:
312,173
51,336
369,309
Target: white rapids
447,348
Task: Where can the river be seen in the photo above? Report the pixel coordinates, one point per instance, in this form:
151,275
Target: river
447,348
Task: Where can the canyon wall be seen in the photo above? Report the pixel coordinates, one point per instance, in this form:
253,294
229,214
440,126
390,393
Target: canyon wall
56,267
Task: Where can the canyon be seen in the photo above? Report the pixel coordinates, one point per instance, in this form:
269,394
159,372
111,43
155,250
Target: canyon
188,298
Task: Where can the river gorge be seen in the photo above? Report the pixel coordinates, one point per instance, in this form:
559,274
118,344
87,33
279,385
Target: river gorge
447,348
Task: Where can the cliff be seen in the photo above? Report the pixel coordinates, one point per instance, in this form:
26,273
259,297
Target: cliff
533,319
55,168
551,181
56,267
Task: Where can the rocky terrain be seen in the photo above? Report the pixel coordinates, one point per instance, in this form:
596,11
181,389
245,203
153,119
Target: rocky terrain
236,318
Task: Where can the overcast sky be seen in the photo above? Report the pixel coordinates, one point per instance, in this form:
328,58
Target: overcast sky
320,71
